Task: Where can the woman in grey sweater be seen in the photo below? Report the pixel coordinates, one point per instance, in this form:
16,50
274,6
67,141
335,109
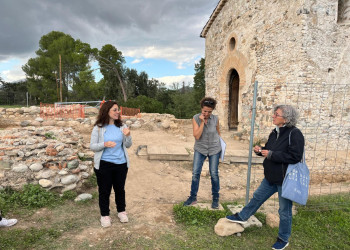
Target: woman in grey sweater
109,140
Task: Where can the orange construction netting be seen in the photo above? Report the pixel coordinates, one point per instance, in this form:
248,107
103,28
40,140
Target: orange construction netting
48,111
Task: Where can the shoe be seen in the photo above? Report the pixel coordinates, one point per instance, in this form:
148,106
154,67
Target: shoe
106,221
190,201
123,217
7,222
280,244
236,218
215,204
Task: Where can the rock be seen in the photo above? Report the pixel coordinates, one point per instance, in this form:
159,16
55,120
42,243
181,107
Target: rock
25,123
272,220
69,179
51,151
20,153
45,174
225,228
135,126
69,187
81,155
63,172
73,164
84,175
83,167
82,197
48,123
45,183
36,167
39,119
19,168
166,124
36,123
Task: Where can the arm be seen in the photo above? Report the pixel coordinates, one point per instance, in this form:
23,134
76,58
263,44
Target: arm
127,140
198,130
94,144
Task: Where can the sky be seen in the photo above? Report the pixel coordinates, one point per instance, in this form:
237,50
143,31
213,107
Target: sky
160,37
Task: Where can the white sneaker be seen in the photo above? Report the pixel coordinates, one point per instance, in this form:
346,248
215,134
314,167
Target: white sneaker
123,217
7,222
106,221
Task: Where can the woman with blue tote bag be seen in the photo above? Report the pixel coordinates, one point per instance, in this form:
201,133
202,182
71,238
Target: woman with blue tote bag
278,153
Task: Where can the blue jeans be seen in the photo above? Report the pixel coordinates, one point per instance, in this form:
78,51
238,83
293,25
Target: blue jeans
265,191
198,161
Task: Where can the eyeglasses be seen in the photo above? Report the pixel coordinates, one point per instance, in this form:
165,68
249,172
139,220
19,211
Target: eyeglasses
208,102
277,115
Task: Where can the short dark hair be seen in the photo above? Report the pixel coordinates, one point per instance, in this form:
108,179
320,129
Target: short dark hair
103,117
208,102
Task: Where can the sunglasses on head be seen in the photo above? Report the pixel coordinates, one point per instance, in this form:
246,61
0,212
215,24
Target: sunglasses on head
208,102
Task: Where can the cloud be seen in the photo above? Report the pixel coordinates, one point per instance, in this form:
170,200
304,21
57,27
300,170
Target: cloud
169,80
13,75
125,24
163,29
136,61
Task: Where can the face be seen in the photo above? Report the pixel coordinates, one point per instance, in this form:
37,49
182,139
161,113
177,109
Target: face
114,112
278,119
206,112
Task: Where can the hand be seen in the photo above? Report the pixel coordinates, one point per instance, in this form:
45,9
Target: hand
257,149
265,152
126,131
201,117
110,144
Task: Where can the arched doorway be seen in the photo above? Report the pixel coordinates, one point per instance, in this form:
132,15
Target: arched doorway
233,100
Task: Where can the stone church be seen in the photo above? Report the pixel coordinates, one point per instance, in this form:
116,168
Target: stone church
275,41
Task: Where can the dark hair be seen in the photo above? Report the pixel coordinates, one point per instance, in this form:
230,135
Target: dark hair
103,117
208,102
289,113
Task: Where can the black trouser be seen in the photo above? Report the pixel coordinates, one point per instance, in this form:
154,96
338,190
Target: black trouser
111,175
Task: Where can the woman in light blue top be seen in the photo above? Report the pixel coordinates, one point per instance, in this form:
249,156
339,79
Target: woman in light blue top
206,131
109,140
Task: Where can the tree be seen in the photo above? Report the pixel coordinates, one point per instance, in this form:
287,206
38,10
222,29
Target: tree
199,81
111,62
42,72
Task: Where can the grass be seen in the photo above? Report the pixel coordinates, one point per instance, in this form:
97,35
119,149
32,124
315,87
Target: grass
323,224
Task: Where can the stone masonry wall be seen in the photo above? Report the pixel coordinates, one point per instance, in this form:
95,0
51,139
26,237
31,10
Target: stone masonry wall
52,153
299,52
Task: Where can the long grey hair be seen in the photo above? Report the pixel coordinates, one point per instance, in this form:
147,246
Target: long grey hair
289,113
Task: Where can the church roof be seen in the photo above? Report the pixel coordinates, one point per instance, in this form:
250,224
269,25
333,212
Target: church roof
212,17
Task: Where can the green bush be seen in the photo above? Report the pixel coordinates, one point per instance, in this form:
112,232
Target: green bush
31,196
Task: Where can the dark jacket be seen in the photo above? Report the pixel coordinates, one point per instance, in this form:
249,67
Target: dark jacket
281,153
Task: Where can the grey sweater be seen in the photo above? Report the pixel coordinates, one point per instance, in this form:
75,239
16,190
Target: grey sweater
97,144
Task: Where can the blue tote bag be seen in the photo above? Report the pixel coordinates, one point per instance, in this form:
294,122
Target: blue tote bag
295,186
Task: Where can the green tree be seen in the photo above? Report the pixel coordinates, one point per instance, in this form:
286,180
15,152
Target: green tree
199,81
145,104
111,63
42,72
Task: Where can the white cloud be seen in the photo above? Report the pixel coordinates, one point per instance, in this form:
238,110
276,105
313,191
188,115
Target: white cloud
13,75
169,80
181,55
136,61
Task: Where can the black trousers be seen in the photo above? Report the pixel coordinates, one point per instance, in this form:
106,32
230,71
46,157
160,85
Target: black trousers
111,175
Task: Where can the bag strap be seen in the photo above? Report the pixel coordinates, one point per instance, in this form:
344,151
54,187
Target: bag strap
303,159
